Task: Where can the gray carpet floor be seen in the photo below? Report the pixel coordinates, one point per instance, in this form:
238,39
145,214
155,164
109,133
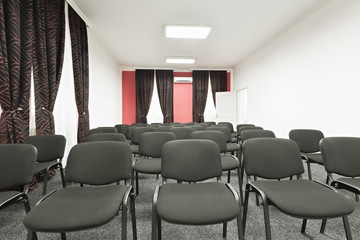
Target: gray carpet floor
282,226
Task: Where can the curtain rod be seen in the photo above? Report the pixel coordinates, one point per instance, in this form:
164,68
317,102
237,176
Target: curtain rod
79,12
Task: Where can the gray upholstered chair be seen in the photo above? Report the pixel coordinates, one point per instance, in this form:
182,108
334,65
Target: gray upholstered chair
103,130
50,153
106,137
198,203
164,128
150,147
309,144
244,128
16,172
276,159
342,157
228,162
100,164
122,128
244,125
198,127
182,132
135,137
231,147
231,127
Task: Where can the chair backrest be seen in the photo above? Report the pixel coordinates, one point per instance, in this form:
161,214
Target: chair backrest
151,143
49,147
228,124
164,128
191,160
241,129
248,134
341,155
16,165
307,139
99,163
223,129
272,158
103,130
106,137
139,124
198,127
122,128
216,136
182,132
244,125
137,131
129,132
178,125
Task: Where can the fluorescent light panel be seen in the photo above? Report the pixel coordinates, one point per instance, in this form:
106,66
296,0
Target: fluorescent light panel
180,60
183,31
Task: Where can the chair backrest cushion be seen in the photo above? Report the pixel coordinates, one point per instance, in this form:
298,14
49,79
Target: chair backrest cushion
137,131
99,163
244,125
191,160
248,134
122,128
244,128
106,137
307,139
17,163
341,155
103,130
182,132
49,147
151,143
223,129
272,158
216,136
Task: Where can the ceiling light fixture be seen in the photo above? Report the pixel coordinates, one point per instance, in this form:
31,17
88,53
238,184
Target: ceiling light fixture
180,60
187,31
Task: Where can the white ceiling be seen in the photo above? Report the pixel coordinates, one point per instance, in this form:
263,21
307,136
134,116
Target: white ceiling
133,30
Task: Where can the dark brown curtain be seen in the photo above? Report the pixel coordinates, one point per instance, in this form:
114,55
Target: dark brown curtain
165,87
49,42
144,83
80,56
200,88
218,81
16,25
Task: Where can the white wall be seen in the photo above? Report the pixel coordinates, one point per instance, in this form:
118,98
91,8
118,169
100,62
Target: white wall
310,76
104,83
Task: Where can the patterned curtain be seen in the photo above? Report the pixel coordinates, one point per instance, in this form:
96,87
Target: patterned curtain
80,56
218,81
49,42
200,89
16,25
165,86
144,82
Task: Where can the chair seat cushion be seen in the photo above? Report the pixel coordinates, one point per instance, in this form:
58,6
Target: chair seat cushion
196,204
314,157
8,195
354,183
135,149
231,147
75,209
228,162
148,165
305,199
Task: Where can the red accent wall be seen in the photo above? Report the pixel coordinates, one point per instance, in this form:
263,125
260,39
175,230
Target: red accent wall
128,97
182,98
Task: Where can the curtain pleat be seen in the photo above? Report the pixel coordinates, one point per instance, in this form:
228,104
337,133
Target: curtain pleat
218,81
144,81
80,56
165,86
200,88
16,23
49,42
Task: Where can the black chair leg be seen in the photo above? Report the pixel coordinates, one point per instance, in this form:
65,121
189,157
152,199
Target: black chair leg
45,181
62,176
240,187
239,226
246,203
267,219
224,229
309,170
31,235
303,226
323,225
137,183
356,197
26,203
124,222
154,224
347,228
228,178
63,236
133,217
159,228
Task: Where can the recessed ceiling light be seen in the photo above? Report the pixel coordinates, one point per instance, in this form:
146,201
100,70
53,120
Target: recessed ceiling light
183,31
180,60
